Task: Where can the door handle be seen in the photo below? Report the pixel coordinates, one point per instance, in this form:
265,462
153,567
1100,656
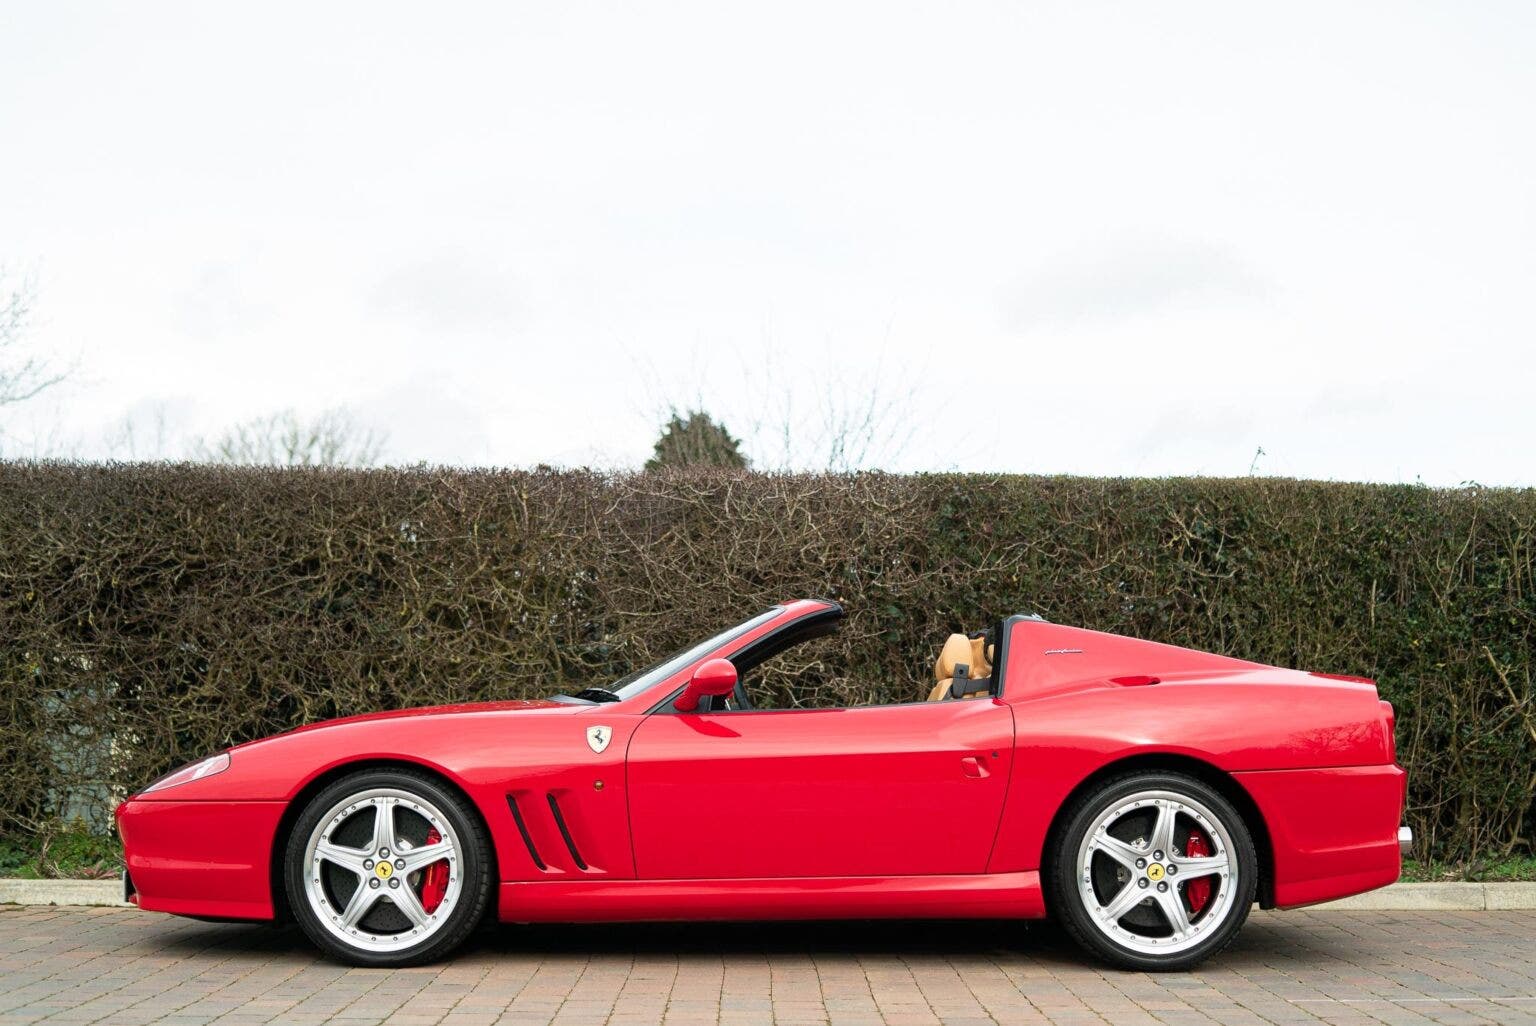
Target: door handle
973,766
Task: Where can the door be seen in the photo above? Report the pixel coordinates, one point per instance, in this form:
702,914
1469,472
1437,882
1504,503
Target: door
894,790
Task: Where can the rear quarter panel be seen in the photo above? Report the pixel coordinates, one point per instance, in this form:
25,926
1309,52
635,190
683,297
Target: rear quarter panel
1282,735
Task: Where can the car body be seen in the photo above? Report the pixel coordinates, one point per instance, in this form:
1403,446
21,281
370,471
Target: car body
627,807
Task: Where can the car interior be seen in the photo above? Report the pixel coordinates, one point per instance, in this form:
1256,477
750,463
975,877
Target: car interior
964,667
962,670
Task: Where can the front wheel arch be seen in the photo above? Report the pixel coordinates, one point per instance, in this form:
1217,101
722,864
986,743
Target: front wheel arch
1201,770
281,912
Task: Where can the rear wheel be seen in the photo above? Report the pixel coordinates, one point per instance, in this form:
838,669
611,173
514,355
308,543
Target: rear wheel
388,868
1153,871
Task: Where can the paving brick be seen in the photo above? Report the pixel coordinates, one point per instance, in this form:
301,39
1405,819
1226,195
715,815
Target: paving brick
120,966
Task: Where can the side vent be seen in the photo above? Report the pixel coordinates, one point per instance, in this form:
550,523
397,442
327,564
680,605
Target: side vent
565,832
522,828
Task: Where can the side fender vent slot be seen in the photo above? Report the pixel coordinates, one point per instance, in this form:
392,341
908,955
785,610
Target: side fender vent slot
565,832
522,828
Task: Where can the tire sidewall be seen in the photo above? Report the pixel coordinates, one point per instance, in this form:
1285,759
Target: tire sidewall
1065,898
474,865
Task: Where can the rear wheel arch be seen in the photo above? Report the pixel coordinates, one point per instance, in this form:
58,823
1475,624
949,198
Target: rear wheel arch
1226,784
296,805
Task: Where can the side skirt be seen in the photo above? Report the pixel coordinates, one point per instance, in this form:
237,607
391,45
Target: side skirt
987,896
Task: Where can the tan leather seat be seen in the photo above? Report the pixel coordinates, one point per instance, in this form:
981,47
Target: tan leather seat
959,650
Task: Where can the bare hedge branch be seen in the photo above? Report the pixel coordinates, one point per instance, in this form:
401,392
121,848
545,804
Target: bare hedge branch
332,439
22,376
152,613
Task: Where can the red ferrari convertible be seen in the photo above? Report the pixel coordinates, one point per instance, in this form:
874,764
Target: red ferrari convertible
1144,795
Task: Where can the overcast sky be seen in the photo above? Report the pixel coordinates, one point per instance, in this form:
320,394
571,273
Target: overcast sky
1133,238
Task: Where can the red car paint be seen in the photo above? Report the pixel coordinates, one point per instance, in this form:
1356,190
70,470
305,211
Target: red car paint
916,809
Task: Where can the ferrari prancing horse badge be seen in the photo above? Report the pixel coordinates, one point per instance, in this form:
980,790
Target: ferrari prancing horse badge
598,738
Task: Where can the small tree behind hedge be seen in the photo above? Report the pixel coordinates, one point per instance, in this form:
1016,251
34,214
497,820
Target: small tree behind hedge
696,440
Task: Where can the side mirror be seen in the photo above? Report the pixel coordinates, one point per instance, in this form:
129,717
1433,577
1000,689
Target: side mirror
715,677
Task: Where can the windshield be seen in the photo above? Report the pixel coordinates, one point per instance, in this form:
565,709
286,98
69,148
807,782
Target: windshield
632,684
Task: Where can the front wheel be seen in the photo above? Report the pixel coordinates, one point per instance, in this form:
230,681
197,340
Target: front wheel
388,868
1153,871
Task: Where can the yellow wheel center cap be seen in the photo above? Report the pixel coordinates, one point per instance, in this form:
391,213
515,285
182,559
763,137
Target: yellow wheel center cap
383,869
1154,872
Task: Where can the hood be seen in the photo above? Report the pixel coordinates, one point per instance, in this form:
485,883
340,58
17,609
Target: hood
459,709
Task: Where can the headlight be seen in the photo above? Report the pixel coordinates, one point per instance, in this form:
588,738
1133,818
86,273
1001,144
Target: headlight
192,771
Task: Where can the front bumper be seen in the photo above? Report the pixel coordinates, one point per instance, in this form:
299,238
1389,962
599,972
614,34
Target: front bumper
209,859
1404,840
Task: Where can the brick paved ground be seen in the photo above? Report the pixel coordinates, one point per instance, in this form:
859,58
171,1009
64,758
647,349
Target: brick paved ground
125,966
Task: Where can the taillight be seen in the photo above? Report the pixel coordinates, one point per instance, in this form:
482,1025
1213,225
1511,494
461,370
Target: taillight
1389,723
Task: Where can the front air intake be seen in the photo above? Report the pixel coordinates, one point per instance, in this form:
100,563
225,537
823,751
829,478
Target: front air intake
565,832
522,828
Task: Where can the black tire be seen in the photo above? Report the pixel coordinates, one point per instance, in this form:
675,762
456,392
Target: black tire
1066,880
474,867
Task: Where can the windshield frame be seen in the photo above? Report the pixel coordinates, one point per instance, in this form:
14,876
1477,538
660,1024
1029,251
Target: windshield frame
640,681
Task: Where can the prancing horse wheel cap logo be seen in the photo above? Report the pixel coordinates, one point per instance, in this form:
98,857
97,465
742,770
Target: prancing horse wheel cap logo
598,738
1154,872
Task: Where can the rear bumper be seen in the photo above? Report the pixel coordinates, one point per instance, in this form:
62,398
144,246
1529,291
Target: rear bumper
209,859
1334,832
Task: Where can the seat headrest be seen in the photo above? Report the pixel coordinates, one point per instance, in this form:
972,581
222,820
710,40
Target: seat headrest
981,665
957,650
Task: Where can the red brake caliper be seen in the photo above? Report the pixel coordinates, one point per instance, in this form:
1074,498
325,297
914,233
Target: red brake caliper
1198,890
434,879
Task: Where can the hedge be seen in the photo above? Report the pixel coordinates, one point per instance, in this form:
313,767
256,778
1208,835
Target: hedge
152,613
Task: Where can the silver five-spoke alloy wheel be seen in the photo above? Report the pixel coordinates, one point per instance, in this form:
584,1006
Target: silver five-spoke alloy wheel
1141,840
388,867
1152,870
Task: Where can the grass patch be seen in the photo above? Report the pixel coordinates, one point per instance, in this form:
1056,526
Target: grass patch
70,852
1513,867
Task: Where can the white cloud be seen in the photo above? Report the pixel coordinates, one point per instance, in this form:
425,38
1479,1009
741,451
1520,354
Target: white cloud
1128,279
1090,238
